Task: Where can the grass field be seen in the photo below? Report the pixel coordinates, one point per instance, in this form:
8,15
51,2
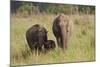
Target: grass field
80,48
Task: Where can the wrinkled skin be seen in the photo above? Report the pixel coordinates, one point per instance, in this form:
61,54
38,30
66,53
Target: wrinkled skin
36,36
62,29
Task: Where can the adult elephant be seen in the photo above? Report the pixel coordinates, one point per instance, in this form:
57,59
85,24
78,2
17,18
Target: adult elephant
62,29
36,37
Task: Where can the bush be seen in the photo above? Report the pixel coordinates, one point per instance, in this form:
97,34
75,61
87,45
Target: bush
59,9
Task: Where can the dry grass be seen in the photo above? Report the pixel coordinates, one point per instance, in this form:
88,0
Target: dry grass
81,46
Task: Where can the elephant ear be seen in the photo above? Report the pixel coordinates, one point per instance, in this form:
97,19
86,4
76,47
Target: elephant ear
56,21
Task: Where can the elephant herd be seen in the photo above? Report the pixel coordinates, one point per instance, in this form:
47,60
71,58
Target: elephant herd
37,38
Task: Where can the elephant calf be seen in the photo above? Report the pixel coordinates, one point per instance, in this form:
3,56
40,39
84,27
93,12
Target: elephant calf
50,44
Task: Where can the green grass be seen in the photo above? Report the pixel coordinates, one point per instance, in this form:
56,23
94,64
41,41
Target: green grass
81,46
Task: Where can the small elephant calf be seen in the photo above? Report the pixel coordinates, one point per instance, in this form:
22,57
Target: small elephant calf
50,44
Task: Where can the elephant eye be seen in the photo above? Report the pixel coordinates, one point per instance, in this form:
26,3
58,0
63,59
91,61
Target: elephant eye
67,31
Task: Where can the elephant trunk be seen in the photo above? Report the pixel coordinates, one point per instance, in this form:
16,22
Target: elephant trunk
64,34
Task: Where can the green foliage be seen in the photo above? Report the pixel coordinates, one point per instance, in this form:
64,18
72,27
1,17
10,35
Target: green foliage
34,7
59,9
25,7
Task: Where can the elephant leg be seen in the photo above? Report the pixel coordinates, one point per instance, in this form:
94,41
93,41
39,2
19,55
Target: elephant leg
59,41
38,49
62,45
30,46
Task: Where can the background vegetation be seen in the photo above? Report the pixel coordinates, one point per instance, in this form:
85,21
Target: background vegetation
82,43
38,7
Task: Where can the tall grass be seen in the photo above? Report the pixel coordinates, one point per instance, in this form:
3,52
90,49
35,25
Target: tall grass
80,48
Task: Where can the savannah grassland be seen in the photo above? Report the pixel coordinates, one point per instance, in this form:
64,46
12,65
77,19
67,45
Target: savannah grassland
80,48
